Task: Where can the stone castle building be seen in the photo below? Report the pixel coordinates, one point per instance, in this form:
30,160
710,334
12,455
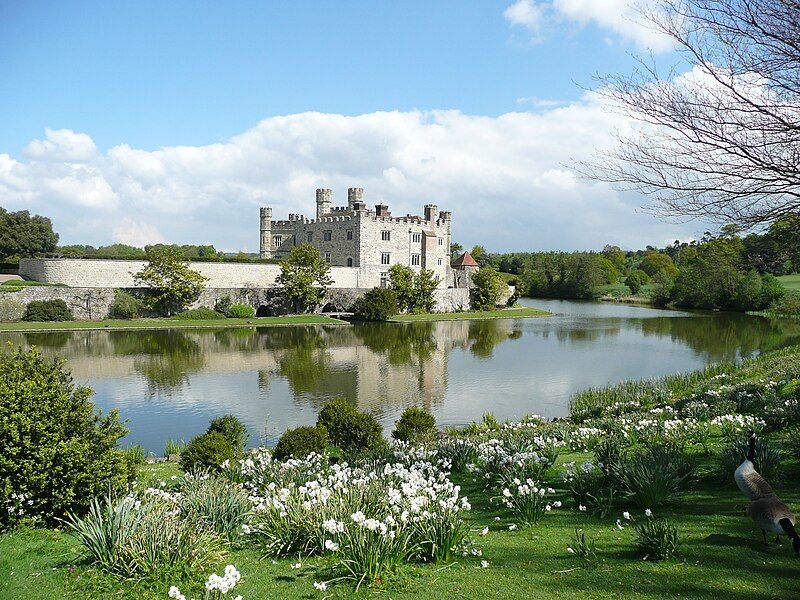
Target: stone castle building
369,240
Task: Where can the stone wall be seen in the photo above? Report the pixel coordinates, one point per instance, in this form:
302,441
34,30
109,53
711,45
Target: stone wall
95,302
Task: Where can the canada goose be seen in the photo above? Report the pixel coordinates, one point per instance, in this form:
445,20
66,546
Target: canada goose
765,508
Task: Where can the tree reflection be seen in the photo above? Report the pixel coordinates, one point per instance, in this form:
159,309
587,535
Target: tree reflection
402,343
485,335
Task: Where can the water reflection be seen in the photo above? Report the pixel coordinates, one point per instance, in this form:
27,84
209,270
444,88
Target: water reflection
169,383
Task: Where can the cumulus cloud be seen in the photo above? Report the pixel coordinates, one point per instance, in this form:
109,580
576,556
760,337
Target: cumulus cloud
623,17
507,179
61,145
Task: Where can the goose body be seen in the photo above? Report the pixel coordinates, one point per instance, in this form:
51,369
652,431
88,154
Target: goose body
750,481
769,513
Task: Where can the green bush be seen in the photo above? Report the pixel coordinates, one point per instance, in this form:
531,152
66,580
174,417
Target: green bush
241,311
788,305
349,429
207,451
11,310
487,286
230,427
125,305
217,503
48,310
653,476
656,539
223,306
636,280
199,314
300,442
378,304
416,426
56,451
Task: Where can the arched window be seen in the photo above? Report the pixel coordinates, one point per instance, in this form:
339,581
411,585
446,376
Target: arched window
349,261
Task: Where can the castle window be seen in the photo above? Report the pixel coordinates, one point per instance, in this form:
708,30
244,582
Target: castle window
277,241
349,234
328,257
384,280
310,237
326,235
441,241
415,260
438,278
385,258
349,261
439,262
386,236
416,237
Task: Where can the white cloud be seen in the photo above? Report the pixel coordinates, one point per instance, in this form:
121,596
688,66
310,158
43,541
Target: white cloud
623,17
507,180
136,233
61,145
527,14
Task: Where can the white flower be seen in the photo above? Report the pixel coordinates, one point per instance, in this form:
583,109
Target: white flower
648,512
331,545
497,518
320,585
619,525
484,531
484,564
297,565
581,508
246,528
512,527
570,550
174,592
627,515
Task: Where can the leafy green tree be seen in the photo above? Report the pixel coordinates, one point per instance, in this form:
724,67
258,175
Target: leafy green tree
654,262
663,287
305,276
401,281
456,250
172,283
424,286
617,257
23,235
480,255
487,287
378,304
636,280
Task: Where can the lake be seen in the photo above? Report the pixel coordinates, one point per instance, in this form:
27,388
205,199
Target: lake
170,383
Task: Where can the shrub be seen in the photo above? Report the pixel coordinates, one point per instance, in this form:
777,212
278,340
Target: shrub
199,314
125,305
788,305
416,425
349,429
767,460
223,305
74,457
11,310
232,429
207,451
459,452
378,304
241,311
144,540
653,476
656,539
300,442
636,280
48,310
487,286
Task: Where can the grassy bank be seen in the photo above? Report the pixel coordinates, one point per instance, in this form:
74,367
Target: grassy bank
722,556
164,323
791,282
504,313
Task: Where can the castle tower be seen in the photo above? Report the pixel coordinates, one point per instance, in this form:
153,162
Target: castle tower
430,212
324,197
354,195
265,249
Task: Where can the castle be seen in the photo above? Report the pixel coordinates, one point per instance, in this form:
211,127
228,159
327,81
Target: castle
369,240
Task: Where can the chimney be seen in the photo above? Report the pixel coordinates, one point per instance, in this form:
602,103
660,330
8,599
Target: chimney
430,212
382,210
323,201
354,195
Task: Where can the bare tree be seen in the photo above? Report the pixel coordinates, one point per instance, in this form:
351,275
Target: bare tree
721,141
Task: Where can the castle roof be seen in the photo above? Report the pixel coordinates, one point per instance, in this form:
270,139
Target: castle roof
465,260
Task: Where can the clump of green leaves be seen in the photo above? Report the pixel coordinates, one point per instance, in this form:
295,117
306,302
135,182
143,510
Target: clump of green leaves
207,452
416,426
656,538
48,310
125,305
74,458
300,442
378,304
349,429
232,429
581,546
173,284
654,475
305,276
487,286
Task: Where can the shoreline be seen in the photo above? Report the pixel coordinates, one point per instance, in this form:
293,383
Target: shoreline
524,312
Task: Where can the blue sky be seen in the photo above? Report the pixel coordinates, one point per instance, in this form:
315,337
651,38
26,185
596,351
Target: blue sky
165,116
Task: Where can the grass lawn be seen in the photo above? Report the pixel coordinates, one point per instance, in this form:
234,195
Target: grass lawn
722,557
169,323
791,282
503,313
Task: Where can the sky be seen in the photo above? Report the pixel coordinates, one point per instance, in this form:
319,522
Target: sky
141,122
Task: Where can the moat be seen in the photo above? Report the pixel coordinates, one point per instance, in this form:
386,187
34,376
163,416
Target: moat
168,384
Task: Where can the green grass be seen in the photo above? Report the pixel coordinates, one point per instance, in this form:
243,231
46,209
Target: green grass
791,282
169,323
503,313
722,556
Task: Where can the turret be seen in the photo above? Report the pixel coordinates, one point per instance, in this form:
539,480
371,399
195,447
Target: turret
354,195
430,212
323,201
266,232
